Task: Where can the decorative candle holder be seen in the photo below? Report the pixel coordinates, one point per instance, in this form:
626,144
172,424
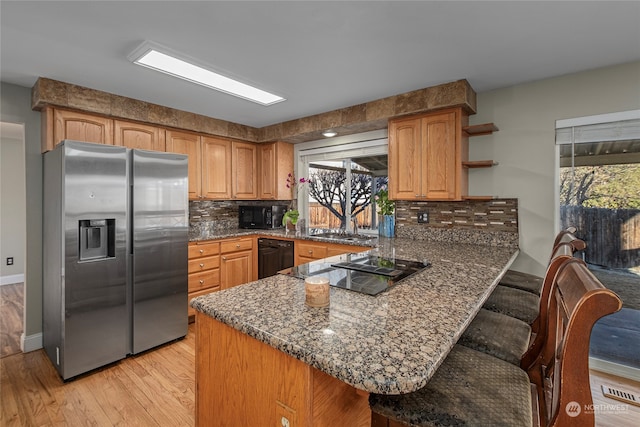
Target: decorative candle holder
317,291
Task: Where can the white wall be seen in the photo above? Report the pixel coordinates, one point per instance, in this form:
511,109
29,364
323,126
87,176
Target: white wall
525,144
12,209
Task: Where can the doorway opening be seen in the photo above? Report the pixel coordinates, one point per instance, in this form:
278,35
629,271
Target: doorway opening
13,237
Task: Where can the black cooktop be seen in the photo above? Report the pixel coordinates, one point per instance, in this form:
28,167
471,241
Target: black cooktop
365,273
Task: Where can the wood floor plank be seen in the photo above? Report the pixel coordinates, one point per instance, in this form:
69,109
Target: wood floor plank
610,412
157,388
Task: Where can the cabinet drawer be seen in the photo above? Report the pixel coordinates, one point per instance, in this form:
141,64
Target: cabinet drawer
192,295
204,280
203,249
236,245
201,264
310,250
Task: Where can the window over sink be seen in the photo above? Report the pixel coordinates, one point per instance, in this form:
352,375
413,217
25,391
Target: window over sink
344,173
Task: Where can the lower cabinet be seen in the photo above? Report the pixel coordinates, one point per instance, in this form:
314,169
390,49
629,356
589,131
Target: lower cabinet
307,251
237,261
204,269
225,263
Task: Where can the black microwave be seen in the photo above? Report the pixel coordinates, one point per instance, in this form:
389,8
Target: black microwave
261,216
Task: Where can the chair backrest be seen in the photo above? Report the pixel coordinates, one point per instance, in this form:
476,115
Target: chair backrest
568,235
561,372
561,252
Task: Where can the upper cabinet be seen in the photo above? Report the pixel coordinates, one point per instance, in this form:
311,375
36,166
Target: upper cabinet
216,168
276,163
188,143
59,125
138,136
244,179
426,154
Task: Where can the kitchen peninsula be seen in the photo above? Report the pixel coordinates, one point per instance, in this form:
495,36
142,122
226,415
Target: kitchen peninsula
265,358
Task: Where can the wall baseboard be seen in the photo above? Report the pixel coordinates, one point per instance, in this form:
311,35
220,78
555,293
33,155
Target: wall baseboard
624,371
10,280
31,342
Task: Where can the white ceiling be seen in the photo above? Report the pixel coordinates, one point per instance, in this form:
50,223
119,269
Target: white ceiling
321,56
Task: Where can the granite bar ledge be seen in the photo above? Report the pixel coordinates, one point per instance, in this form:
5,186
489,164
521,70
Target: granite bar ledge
388,344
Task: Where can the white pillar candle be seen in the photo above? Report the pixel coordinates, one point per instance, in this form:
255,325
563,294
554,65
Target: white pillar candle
317,291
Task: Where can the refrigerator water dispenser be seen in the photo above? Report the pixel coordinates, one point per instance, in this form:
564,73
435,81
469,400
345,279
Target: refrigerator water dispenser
96,239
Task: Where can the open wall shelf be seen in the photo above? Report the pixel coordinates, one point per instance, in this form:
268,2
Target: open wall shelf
483,129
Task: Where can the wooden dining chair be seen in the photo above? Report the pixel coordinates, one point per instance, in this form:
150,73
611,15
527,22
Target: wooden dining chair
472,388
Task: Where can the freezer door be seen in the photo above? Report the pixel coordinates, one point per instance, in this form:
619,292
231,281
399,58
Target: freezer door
94,309
159,248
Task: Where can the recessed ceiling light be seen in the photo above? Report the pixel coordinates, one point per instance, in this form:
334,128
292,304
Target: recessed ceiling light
329,133
159,58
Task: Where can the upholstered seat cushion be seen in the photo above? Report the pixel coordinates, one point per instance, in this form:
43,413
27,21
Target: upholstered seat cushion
470,388
498,335
514,302
523,281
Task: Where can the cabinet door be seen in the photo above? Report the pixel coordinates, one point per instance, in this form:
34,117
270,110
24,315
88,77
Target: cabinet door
245,176
216,168
82,127
404,159
138,136
439,166
236,268
333,249
276,162
189,144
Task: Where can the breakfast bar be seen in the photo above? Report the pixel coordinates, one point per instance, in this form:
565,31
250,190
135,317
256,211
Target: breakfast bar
263,357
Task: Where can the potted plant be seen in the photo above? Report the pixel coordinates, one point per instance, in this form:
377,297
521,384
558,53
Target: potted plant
290,218
386,220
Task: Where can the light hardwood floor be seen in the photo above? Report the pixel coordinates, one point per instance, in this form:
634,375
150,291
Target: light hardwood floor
157,388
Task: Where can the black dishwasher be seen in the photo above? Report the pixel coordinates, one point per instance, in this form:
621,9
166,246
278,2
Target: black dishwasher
273,255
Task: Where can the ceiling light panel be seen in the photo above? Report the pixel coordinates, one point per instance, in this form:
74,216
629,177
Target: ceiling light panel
156,57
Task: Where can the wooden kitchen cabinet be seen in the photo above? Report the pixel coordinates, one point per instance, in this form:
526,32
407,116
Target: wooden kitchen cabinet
188,143
244,178
307,251
204,269
276,163
58,125
216,168
237,261
426,155
138,136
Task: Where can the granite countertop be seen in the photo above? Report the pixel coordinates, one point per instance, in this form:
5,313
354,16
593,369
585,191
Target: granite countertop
391,343
281,232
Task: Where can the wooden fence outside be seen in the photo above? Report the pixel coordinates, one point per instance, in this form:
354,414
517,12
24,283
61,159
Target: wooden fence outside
612,235
320,217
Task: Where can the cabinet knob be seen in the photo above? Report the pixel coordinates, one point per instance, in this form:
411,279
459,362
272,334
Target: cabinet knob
310,251
201,265
201,282
224,258
237,245
201,251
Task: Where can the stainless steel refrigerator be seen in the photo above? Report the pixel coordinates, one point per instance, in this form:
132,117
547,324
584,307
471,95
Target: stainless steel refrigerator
114,253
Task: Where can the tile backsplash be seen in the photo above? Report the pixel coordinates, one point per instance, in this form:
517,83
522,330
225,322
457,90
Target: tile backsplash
209,216
493,222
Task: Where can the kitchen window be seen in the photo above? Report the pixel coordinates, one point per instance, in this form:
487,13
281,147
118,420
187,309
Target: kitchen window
328,202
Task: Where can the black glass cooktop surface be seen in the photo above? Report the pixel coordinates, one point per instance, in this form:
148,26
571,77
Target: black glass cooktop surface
365,273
